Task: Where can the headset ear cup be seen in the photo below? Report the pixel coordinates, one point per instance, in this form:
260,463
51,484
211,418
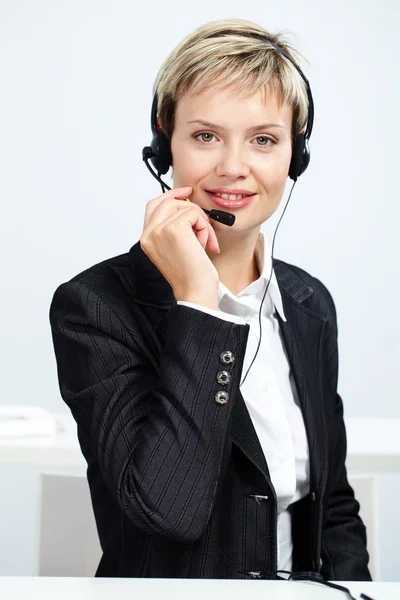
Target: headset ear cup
162,157
306,158
297,157
160,146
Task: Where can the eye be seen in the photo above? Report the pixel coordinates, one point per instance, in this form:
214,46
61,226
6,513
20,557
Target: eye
204,133
266,139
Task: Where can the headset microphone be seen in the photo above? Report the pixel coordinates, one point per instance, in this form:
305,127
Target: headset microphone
218,215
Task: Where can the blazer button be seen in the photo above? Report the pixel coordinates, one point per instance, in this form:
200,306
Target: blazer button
227,357
223,377
221,397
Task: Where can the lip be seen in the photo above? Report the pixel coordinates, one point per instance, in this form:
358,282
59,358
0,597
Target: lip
231,203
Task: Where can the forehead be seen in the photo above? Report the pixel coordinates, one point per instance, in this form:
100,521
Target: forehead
229,108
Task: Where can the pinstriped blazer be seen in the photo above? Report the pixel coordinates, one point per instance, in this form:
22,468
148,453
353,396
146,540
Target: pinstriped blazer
179,483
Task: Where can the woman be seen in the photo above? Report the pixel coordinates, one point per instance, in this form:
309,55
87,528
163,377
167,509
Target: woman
193,473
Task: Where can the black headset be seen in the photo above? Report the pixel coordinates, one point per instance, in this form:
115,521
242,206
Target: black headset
159,151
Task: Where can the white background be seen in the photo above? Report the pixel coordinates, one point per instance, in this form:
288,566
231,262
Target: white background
75,98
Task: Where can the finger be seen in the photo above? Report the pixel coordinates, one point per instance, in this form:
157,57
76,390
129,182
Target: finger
175,193
213,240
199,222
163,211
154,204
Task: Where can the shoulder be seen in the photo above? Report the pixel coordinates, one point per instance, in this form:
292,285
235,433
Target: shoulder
320,299
103,274
109,281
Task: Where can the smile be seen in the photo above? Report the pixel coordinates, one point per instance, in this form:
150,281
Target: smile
230,200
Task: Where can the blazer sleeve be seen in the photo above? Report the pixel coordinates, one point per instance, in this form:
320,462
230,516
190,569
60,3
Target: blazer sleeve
153,425
343,543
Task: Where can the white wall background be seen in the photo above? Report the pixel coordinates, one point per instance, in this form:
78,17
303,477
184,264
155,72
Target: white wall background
75,96
76,79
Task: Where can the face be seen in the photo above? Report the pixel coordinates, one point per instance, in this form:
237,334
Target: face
221,141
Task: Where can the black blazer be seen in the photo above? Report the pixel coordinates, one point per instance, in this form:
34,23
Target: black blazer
175,477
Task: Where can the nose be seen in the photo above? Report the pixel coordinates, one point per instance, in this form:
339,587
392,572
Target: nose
233,162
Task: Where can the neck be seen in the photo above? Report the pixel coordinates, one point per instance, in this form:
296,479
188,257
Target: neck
236,264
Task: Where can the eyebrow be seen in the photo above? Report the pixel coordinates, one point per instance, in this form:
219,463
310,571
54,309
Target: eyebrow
254,128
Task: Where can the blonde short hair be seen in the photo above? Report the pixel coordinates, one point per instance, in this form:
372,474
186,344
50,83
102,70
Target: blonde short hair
218,52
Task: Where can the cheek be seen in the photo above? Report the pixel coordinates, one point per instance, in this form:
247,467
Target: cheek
274,176
190,166
180,158
279,172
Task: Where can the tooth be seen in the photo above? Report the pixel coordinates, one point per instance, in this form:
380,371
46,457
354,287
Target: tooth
229,196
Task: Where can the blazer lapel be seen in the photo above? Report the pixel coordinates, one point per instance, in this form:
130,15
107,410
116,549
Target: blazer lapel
302,334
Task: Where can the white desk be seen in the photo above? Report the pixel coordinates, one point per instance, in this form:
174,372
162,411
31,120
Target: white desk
373,446
61,450
62,588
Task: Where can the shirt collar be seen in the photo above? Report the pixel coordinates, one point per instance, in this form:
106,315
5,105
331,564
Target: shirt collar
257,288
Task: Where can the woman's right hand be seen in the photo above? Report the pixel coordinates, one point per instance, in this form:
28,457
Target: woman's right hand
175,235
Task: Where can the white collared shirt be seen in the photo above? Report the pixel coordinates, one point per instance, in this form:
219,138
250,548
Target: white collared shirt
269,391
